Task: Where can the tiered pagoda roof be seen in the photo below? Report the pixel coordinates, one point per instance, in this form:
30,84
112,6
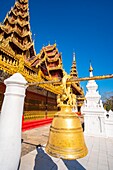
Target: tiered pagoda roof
74,72
49,61
15,31
76,86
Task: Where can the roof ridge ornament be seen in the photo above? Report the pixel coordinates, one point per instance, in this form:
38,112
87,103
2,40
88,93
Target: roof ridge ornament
25,1
91,70
74,56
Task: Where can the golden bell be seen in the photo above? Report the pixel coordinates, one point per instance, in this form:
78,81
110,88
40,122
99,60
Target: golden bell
66,139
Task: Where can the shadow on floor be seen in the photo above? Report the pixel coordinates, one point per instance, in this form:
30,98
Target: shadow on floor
43,161
73,165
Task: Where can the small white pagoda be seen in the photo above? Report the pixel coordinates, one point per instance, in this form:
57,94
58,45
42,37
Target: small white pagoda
93,110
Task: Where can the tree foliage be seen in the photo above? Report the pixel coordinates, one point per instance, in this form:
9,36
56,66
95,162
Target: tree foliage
108,101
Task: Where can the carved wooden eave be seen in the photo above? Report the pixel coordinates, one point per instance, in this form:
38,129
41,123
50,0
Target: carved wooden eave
4,47
12,22
57,56
34,60
22,23
9,29
24,7
25,1
21,5
50,47
18,13
55,68
53,53
6,29
30,77
22,34
22,47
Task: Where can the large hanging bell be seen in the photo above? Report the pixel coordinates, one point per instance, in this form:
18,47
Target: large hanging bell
66,139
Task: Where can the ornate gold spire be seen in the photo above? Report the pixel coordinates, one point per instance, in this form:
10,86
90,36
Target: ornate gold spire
73,56
73,72
90,68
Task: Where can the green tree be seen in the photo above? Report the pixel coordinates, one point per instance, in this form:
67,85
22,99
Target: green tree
107,99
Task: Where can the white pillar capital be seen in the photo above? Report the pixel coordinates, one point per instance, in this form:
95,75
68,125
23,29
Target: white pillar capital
16,78
16,85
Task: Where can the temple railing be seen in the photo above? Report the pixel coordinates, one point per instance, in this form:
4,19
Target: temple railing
37,115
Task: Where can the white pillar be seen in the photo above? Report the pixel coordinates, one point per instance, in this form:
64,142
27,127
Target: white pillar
11,122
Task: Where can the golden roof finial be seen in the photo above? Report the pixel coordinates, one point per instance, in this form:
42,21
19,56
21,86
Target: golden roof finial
49,43
90,68
74,56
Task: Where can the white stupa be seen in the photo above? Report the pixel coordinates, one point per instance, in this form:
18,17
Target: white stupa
93,109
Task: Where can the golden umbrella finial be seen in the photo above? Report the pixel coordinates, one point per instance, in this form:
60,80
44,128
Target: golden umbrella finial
74,56
90,68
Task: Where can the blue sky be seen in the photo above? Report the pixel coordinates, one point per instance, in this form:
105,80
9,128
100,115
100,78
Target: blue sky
83,26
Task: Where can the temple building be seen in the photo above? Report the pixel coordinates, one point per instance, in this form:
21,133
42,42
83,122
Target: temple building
17,54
